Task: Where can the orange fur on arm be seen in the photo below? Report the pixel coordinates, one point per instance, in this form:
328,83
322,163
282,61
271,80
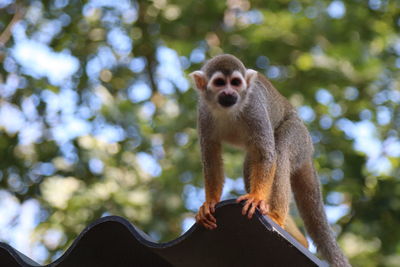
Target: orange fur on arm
213,172
261,179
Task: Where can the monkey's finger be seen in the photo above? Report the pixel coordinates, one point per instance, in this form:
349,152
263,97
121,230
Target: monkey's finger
209,226
211,218
251,210
207,223
212,207
201,213
200,218
206,209
241,198
263,206
246,206
208,215
204,223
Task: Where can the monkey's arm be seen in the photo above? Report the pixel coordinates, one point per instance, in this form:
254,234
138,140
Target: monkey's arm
213,178
262,172
212,171
261,162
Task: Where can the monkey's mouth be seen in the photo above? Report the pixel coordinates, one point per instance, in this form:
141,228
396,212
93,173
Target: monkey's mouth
227,99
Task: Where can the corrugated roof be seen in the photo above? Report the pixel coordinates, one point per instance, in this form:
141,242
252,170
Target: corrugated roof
113,241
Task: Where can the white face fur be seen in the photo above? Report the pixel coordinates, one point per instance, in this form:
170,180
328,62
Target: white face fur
224,94
227,89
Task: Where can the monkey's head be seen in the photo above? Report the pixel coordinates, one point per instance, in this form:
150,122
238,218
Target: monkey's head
223,82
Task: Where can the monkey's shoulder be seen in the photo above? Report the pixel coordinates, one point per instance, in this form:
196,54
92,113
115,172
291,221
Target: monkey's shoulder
269,89
264,81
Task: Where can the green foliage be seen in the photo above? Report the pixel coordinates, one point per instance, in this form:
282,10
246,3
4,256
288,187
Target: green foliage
81,145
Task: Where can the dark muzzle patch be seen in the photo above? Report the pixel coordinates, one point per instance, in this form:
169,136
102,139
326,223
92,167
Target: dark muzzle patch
227,99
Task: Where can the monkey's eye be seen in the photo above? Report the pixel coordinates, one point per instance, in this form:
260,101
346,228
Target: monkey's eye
236,81
219,82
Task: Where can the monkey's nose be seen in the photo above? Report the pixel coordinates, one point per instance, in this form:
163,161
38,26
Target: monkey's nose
227,99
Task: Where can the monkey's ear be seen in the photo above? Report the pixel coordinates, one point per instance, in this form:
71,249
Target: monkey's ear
250,75
199,78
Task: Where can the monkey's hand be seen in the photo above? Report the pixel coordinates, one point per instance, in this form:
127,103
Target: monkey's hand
253,201
205,215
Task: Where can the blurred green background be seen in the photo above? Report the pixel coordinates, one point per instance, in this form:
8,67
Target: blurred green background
97,115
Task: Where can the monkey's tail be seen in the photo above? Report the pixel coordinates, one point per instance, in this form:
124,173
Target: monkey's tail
306,189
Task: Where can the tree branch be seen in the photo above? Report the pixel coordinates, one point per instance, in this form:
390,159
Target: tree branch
6,34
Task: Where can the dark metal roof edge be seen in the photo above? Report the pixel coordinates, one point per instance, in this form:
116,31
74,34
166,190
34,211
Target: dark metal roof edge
146,240
19,257
270,224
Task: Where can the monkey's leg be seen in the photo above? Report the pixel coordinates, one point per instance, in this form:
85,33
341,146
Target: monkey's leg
279,200
290,225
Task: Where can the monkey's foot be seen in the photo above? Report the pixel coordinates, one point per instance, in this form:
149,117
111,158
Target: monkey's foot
277,219
205,217
253,201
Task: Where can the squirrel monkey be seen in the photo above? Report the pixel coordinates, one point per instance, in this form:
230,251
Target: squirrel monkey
241,107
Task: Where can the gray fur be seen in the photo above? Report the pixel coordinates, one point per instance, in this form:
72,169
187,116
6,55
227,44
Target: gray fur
223,63
267,126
